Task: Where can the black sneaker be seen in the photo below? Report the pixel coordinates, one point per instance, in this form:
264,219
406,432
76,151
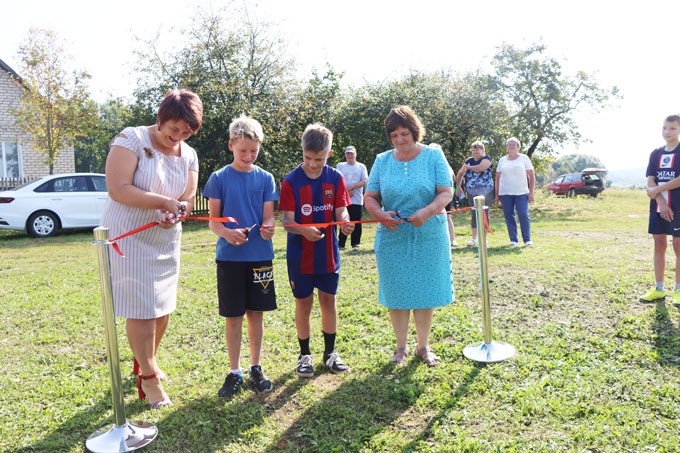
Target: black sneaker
305,366
232,384
334,363
260,381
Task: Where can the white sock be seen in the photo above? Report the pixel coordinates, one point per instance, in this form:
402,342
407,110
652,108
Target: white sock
659,286
237,371
676,287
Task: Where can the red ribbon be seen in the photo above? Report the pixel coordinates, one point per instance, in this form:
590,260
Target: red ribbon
156,222
233,220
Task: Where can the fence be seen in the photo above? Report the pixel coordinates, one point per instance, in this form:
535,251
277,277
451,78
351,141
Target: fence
11,183
200,204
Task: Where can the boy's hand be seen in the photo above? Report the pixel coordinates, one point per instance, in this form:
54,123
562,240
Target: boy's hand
313,234
236,236
347,228
652,192
267,232
665,212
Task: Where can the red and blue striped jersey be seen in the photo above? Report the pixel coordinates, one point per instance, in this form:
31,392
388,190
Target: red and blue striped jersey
314,201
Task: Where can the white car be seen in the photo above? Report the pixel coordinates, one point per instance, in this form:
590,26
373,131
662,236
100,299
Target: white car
48,204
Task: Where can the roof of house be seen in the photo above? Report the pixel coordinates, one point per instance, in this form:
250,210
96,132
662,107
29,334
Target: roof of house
6,68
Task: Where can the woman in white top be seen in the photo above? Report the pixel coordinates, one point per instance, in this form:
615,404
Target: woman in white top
515,182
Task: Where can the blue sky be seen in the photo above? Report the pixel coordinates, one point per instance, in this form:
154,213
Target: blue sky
633,46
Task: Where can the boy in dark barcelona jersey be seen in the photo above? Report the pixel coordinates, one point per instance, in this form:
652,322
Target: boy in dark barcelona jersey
663,187
315,193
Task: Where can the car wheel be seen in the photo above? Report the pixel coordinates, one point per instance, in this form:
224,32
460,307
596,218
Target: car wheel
571,193
42,224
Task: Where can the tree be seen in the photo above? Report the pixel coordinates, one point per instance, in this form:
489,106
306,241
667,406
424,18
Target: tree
55,107
235,65
574,163
455,109
543,99
91,150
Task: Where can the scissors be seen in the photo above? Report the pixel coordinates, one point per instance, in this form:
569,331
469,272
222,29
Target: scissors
247,230
398,214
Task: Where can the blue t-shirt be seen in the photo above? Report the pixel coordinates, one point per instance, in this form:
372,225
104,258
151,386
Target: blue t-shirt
314,201
478,183
664,166
242,195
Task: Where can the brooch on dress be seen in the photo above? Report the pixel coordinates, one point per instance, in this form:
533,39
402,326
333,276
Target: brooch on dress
148,153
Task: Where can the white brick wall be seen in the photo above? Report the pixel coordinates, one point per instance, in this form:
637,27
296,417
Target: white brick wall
32,163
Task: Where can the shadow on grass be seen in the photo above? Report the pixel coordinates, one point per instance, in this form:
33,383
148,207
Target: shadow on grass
75,430
667,337
450,405
359,409
202,424
210,423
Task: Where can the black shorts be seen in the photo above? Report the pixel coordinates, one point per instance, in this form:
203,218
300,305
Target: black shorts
245,286
657,225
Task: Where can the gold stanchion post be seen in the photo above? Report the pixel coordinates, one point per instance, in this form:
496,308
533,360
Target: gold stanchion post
487,351
122,436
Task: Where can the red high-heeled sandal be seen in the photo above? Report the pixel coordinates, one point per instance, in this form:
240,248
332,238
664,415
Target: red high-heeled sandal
137,370
142,395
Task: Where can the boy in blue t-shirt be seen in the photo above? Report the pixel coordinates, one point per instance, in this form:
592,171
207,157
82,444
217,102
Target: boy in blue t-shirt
315,193
244,252
663,187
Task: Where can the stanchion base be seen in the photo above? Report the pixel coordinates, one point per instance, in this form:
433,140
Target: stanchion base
489,352
114,439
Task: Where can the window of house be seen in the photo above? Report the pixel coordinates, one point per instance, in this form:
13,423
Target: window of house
9,159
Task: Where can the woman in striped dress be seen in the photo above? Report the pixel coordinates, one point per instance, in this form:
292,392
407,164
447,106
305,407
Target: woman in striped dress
151,174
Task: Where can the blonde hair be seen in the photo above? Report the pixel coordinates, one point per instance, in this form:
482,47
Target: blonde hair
317,138
246,127
513,140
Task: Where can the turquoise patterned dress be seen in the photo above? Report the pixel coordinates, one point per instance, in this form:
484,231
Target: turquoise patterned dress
414,264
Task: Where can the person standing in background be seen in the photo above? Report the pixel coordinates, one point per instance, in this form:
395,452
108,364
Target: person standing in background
477,171
515,182
356,177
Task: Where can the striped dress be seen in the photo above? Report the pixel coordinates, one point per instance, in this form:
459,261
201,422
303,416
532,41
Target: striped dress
144,282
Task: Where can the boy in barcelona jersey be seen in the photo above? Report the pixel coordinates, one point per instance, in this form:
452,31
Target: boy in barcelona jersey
315,193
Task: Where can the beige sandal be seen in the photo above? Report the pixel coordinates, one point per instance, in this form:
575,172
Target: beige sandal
399,356
428,357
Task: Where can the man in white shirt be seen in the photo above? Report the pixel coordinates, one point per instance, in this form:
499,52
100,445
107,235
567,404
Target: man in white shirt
356,177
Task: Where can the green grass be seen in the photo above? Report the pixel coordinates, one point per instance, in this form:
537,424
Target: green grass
595,370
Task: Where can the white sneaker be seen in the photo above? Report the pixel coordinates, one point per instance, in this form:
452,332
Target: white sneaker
472,242
529,244
513,244
454,244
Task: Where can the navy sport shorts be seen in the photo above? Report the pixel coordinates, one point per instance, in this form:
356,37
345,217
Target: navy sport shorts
657,225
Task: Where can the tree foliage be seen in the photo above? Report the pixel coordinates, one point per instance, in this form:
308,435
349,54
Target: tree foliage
542,99
239,65
236,66
91,150
55,108
574,163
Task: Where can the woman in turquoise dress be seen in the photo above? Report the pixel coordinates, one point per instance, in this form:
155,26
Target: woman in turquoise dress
408,190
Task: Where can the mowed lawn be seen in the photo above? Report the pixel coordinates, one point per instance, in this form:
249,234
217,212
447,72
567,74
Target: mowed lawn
595,370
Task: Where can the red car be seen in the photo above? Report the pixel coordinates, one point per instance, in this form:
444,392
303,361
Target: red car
590,181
